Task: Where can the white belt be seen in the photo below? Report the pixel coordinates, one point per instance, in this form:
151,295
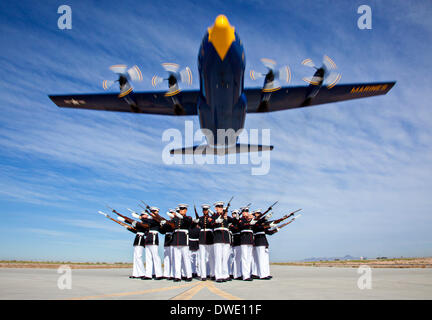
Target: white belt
261,232
193,239
216,229
182,230
153,231
207,230
168,233
140,233
246,230
236,234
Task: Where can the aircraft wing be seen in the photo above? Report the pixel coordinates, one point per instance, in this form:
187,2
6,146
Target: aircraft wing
295,97
146,102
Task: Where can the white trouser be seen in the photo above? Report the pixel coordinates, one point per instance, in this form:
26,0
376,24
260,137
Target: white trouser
231,262
262,261
206,260
254,262
171,253
246,260
194,258
221,254
138,266
153,261
167,262
181,254
237,257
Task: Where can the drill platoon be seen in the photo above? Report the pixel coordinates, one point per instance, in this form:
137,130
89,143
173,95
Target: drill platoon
212,245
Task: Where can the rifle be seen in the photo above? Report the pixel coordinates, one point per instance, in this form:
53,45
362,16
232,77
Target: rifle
280,219
196,213
228,205
116,221
287,223
129,220
267,211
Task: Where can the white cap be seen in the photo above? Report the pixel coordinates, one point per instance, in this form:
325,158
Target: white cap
182,206
257,211
205,206
154,209
244,209
219,204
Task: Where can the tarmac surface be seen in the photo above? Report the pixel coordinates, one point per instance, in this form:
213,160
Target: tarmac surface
288,283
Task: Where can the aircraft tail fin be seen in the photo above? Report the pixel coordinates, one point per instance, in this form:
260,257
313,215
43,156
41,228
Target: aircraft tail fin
205,149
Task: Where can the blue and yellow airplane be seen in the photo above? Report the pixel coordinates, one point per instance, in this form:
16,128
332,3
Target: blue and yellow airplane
222,101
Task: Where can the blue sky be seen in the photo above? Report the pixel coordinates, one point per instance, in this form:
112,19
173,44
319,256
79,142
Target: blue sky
361,170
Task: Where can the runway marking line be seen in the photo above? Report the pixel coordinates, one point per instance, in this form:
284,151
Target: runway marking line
211,286
122,294
189,293
186,295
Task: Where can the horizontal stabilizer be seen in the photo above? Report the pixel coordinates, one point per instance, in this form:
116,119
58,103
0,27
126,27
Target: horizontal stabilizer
208,150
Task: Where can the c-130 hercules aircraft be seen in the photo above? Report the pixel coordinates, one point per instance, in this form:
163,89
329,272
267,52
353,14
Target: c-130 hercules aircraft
222,101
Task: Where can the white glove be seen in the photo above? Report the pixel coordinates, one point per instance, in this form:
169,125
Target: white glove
179,215
252,222
135,215
219,220
162,222
134,224
169,214
272,224
277,229
195,220
121,219
268,216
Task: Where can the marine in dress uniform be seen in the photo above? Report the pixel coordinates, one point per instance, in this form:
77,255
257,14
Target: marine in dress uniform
167,262
236,249
261,248
205,223
138,270
221,238
153,261
246,224
180,243
194,233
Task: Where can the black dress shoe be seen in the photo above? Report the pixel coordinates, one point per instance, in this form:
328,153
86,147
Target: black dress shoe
132,277
203,279
171,278
220,280
231,277
183,278
188,279
239,278
213,278
248,279
145,278
228,279
177,280
194,275
158,278
255,277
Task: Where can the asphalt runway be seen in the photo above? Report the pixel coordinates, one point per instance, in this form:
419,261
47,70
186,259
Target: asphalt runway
288,283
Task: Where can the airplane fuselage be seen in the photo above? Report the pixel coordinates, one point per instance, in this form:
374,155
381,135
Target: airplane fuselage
222,102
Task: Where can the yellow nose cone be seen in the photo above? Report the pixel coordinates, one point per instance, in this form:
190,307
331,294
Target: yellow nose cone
221,35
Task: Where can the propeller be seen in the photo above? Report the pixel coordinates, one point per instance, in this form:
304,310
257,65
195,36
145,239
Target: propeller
174,77
125,75
325,73
274,76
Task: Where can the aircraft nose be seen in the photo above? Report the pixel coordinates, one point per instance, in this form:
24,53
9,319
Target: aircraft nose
221,35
